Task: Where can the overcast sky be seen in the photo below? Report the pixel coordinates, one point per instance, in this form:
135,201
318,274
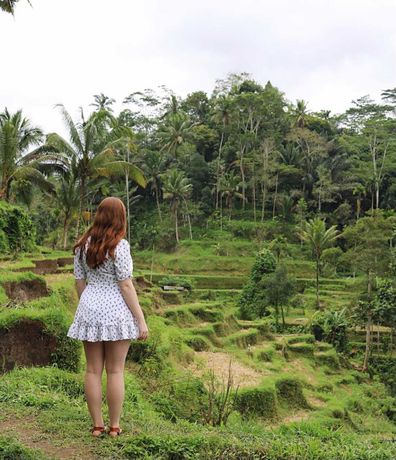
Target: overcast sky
327,52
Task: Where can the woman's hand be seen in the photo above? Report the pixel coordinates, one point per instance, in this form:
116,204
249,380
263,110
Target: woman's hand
143,335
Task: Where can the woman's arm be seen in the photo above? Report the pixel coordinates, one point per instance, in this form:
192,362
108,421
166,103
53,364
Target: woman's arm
80,286
129,294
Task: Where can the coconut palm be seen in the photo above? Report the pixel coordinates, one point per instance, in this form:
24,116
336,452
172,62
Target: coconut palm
123,145
103,102
314,232
176,189
229,187
221,116
68,201
300,113
17,135
9,5
174,132
91,151
153,168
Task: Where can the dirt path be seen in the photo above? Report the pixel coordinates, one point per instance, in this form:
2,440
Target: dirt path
219,362
29,434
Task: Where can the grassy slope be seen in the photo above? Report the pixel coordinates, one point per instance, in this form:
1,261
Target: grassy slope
344,410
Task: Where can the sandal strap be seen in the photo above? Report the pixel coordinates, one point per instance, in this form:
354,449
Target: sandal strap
98,428
115,429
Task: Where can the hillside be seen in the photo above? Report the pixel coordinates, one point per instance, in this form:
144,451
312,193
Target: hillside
296,398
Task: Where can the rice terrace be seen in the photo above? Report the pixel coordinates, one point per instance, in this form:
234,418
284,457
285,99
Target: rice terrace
262,233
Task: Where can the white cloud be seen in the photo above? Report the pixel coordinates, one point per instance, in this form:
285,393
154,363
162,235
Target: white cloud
327,52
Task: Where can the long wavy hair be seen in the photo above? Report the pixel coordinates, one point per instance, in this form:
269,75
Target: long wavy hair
107,230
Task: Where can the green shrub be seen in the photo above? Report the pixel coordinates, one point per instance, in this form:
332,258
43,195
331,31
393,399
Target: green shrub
332,327
308,338
385,368
198,343
17,228
305,348
328,358
187,283
258,401
289,392
181,400
266,355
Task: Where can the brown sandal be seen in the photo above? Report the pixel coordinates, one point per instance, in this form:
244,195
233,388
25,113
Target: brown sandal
101,429
115,429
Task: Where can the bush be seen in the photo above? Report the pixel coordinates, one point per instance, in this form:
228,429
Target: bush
289,392
332,327
258,401
187,283
198,343
16,227
181,400
328,358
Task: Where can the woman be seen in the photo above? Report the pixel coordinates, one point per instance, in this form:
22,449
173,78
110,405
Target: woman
108,315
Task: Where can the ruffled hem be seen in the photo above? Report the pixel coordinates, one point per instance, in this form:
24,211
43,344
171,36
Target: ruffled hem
103,332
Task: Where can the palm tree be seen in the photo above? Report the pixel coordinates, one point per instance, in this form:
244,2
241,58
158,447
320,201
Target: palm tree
153,167
9,5
360,192
174,132
68,200
17,135
229,187
314,232
221,116
91,151
102,102
123,146
301,113
176,189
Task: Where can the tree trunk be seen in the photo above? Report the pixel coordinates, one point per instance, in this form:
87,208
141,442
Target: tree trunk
128,207
176,226
283,317
243,185
368,325
275,197
158,204
368,343
82,198
65,231
317,283
218,170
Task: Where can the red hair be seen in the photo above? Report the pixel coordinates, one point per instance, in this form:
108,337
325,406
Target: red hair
107,230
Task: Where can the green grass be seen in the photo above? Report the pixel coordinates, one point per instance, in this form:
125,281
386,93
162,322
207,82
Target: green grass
306,406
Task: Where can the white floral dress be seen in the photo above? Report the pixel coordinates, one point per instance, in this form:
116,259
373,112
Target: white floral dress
102,313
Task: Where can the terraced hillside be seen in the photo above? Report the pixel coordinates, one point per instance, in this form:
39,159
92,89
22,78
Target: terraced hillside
206,385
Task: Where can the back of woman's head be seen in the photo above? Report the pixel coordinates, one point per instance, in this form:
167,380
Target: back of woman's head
107,230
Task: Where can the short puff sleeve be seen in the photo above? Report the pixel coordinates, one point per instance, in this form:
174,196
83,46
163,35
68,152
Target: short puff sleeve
79,269
123,261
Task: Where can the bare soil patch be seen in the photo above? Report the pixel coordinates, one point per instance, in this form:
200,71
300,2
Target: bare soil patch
46,266
29,434
26,344
23,291
242,375
63,261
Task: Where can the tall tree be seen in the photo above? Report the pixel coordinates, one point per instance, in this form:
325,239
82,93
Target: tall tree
176,189
314,232
17,136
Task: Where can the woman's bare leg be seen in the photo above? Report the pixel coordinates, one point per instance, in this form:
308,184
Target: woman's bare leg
94,352
115,354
